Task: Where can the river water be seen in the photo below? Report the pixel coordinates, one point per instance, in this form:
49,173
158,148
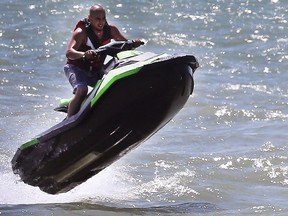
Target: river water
225,153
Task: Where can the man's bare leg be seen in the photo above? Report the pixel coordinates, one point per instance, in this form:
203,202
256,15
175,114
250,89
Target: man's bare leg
76,102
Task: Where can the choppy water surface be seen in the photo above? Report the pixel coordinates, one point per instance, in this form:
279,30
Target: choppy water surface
225,153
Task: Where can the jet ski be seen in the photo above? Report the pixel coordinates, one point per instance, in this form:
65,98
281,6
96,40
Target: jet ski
139,93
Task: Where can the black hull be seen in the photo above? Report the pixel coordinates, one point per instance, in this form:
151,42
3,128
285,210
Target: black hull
128,113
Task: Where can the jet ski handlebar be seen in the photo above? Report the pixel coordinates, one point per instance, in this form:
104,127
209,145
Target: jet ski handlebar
115,47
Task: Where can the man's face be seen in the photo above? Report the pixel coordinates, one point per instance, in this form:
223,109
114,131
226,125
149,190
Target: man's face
98,20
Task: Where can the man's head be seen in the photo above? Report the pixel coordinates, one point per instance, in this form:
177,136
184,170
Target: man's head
96,9
97,17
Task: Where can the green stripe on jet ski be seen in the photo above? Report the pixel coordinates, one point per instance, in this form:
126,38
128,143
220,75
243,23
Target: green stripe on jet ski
120,73
29,143
128,54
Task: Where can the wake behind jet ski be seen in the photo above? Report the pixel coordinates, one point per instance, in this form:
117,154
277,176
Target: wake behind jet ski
138,95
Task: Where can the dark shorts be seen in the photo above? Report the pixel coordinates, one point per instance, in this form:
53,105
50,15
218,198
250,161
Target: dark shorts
78,77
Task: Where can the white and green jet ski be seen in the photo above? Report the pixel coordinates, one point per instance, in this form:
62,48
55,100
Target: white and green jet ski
138,95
